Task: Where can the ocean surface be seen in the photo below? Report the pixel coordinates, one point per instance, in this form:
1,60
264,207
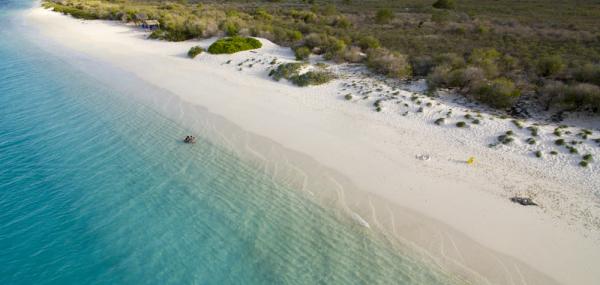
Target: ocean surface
96,187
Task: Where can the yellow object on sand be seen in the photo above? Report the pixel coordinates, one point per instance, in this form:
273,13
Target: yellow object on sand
470,160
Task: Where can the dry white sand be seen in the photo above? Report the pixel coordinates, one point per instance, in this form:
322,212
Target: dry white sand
479,229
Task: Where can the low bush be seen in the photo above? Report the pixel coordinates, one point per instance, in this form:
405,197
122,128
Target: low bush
194,51
559,142
384,16
302,53
583,94
461,124
368,42
499,93
440,121
312,78
550,65
444,4
233,44
73,11
588,73
291,72
505,139
389,63
286,70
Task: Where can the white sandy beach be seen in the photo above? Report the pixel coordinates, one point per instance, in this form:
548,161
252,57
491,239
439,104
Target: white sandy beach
483,232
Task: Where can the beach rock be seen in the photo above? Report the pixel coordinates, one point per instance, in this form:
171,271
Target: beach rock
523,201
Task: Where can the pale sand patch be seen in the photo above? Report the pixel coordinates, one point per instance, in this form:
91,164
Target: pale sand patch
376,151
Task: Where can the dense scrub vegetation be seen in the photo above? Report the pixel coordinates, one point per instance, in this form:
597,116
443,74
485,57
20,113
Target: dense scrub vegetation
495,51
292,72
233,44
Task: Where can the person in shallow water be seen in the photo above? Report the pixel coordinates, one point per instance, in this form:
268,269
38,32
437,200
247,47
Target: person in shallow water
189,139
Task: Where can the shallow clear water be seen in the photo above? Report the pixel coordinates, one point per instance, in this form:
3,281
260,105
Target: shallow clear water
95,188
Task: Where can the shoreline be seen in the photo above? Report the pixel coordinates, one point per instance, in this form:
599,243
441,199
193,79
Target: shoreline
387,167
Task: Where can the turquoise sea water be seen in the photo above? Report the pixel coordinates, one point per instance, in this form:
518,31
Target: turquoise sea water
96,188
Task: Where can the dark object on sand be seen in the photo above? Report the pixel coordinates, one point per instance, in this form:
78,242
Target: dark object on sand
523,201
189,139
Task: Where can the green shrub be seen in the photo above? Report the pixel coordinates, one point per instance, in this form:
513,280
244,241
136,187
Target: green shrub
444,4
263,15
389,63
439,121
486,59
505,139
550,65
588,73
233,44
422,65
461,124
500,93
587,157
286,70
194,51
73,11
348,97
583,94
538,154
384,16
534,130
368,42
583,163
559,142
302,53
291,72
312,78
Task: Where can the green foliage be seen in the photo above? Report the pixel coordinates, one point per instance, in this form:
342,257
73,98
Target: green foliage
461,124
312,78
73,11
548,52
286,70
368,42
499,93
487,59
444,4
588,73
194,51
291,72
550,65
384,16
233,44
302,52
386,62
